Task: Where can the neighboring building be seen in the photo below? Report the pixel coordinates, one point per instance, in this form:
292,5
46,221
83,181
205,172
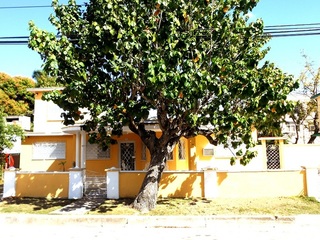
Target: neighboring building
25,123
305,130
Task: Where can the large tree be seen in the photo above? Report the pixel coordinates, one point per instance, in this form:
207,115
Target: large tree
195,62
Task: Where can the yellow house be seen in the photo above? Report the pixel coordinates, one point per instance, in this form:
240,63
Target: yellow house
58,162
53,146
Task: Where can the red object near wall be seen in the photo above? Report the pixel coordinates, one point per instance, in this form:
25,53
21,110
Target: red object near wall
9,160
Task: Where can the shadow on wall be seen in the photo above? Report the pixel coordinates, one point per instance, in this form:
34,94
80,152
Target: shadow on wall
182,185
221,176
42,185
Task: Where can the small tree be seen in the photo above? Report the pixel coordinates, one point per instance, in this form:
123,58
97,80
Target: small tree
44,80
194,62
309,80
8,135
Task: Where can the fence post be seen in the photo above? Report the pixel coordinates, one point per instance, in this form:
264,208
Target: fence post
313,182
9,187
75,183
210,183
112,179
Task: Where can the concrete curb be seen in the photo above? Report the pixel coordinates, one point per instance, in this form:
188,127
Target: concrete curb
148,221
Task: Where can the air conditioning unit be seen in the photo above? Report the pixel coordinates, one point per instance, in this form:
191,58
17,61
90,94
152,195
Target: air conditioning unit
207,152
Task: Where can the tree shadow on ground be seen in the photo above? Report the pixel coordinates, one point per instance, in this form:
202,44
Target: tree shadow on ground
110,206
37,203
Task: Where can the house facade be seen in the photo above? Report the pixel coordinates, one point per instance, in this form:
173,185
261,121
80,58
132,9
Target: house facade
55,147
57,161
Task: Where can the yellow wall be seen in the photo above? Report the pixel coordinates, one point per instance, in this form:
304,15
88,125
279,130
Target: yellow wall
45,185
181,185
229,184
130,183
29,164
98,166
261,184
172,184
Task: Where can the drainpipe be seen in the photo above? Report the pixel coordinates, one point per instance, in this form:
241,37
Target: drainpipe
77,150
83,149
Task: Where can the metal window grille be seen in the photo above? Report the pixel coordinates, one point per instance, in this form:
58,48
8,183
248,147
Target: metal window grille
94,151
127,156
273,157
182,150
143,152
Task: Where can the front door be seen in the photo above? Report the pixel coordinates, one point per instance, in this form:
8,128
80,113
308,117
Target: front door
127,157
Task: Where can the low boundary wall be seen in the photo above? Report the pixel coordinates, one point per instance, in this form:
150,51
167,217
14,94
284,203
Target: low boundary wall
43,184
180,184
213,184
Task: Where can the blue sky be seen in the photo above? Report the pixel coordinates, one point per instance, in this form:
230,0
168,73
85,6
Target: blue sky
286,52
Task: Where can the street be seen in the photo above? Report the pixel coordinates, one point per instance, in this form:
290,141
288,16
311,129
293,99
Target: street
219,229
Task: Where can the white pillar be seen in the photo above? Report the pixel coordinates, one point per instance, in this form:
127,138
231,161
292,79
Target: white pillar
313,182
9,188
75,184
77,151
210,183
112,183
83,149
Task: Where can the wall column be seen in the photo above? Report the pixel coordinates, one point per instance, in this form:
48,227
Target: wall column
210,183
112,179
313,182
75,183
9,187
264,153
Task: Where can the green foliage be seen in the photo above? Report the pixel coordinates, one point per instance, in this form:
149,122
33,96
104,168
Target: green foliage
8,133
44,80
14,97
195,63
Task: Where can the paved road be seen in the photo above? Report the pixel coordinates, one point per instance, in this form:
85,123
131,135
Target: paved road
298,229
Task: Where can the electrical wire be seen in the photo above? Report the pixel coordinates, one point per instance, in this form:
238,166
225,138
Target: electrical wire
284,30
33,6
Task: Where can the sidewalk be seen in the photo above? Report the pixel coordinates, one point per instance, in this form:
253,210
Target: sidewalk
153,221
81,206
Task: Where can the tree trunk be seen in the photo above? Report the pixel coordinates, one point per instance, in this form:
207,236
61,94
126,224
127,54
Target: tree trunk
297,133
316,129
146,199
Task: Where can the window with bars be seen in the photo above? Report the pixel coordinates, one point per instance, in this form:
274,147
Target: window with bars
182,149
143,152
94,151
170,156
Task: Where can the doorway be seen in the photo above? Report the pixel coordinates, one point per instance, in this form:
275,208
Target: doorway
127,156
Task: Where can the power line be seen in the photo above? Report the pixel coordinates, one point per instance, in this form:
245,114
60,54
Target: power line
288,30
22,7
33,6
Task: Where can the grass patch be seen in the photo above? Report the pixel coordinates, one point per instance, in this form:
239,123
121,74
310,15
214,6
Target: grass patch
32,205
283,206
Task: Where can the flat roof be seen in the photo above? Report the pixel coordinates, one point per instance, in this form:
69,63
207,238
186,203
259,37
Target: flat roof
45,89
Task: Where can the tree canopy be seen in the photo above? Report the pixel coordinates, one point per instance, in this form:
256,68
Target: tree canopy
14,97
198,64
44,80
